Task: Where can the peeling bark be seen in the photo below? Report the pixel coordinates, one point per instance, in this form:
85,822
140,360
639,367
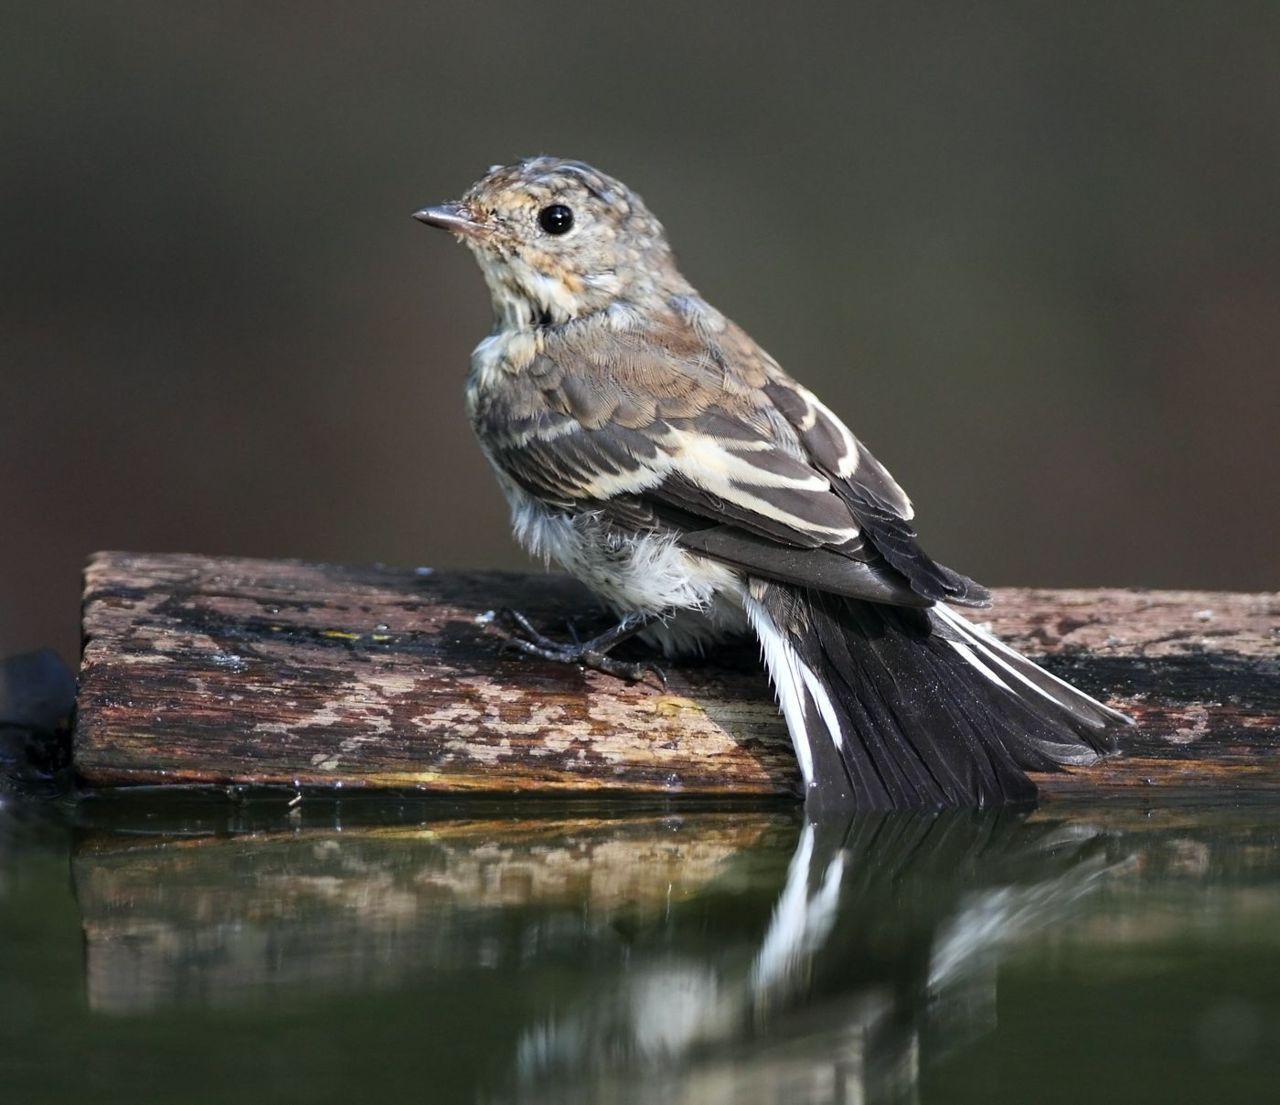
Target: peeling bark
200,670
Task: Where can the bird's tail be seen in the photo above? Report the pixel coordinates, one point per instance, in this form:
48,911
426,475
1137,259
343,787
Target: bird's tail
895,708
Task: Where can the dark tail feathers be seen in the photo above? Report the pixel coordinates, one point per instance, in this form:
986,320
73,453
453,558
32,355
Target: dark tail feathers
894,708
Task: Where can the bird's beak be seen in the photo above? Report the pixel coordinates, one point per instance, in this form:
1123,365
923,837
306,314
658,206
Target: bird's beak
453,217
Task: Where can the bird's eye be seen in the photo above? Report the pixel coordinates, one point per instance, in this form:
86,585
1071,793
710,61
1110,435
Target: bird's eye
556,219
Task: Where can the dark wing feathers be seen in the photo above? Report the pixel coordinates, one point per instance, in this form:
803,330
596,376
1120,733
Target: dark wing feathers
707,439
872,495
841,573
822,569
893,536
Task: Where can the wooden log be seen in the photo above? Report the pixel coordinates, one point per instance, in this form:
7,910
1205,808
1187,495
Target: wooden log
200,670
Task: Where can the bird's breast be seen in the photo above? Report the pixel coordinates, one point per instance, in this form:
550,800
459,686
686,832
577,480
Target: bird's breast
496,362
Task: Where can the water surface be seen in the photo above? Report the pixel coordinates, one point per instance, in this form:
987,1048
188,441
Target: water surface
610,954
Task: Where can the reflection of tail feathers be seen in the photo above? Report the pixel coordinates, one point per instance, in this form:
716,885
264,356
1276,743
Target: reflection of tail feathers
996,917
802,919
894,708
883,925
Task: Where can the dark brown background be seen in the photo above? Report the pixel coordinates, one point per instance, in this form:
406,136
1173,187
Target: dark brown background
1030,251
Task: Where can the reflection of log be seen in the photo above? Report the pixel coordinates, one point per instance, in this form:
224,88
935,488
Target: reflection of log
586,929
215,920
199,670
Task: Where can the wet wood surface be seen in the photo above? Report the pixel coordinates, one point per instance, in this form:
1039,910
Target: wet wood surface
221,671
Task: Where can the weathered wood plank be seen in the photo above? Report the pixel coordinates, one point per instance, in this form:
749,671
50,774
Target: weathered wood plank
232,671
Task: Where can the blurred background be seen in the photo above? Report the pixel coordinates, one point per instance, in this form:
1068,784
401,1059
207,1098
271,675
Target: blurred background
1031,252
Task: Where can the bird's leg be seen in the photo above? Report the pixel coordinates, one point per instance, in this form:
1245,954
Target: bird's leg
592,653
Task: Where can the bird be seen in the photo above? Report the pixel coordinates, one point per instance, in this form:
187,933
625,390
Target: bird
648,446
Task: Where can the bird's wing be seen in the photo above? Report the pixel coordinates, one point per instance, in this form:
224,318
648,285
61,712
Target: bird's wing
872,495
664,429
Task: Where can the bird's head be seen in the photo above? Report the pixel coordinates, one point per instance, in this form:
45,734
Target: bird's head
557,240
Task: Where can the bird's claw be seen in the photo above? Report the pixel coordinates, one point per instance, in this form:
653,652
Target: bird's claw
528,640
632,671
524,631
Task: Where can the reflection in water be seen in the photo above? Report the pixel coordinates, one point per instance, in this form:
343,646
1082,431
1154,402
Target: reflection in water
229,920
882,926
706,957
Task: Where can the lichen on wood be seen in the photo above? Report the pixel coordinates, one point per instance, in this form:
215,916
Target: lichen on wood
203,670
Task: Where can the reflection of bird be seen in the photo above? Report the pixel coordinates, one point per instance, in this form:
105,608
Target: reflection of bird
652,448
883,928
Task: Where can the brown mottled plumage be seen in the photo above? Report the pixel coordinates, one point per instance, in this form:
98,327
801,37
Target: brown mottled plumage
647,444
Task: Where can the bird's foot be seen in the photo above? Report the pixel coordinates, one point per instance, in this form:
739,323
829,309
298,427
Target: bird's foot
592,653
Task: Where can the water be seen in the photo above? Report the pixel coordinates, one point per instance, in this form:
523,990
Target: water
608,954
